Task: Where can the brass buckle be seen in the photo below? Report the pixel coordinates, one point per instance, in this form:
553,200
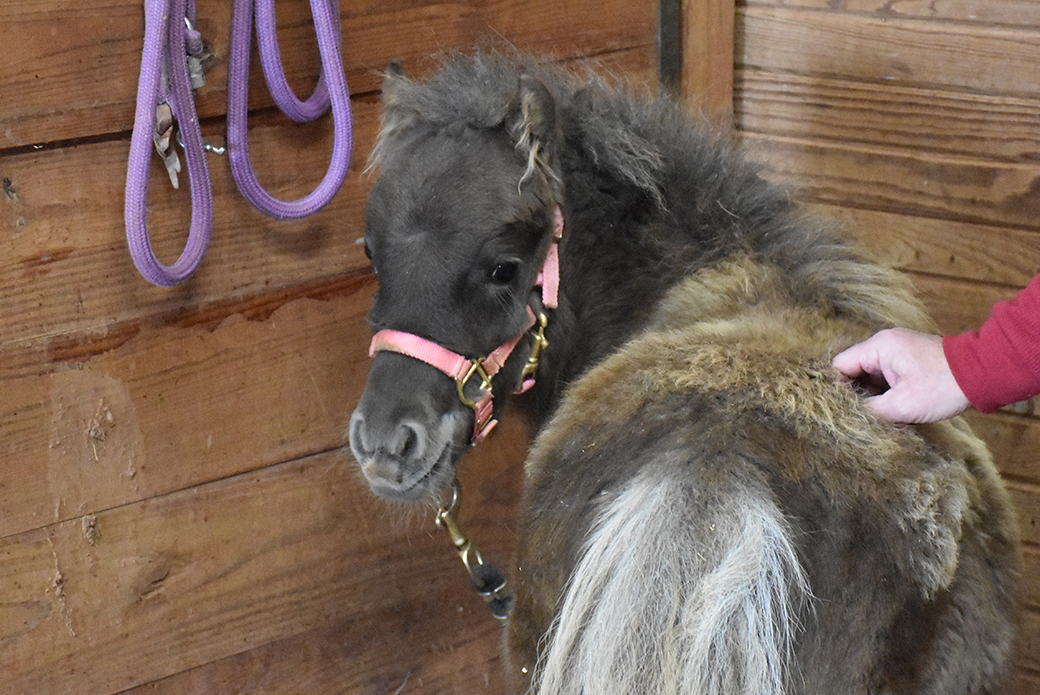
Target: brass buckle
476,367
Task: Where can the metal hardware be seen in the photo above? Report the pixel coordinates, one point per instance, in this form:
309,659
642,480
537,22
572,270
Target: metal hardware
485,578
196,72
477,367
219,150
540,343
164,122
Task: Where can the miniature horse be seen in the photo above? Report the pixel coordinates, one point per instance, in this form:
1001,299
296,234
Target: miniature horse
707,508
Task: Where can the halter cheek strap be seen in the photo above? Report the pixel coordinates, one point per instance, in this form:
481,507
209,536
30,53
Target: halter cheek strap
462,369
549,278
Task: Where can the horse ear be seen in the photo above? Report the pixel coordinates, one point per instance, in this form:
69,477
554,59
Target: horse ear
534,124
394,83
397,115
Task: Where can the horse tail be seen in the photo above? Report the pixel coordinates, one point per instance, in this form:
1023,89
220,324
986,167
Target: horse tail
681,587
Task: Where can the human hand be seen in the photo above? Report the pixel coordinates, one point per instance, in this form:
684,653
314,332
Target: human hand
921,387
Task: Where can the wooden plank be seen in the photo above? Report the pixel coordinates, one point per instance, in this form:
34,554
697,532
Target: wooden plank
993,127
982,253
1026,497
885,50
1029,642
164,410
64,264
958,306
1015,443
121,597
85,58
433,644
707,59
901,181
1025,13
1031,577
1023,683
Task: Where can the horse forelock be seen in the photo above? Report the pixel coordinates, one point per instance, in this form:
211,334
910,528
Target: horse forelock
480,90
475,91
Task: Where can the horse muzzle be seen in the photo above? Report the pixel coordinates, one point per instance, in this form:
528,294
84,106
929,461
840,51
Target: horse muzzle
408,430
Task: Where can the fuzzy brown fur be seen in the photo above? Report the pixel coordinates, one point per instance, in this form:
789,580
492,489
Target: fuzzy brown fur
905,533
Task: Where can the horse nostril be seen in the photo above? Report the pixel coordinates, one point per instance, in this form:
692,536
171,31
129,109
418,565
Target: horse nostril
356,433
409,441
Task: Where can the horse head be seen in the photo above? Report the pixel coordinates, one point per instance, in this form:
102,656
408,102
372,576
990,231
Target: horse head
459,225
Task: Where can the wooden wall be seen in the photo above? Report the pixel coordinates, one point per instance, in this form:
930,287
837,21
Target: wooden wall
176,514
917,126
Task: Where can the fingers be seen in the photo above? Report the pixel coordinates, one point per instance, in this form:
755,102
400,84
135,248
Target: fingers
857,360
890,406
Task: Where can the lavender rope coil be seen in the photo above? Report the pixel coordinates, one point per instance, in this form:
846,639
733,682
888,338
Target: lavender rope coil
167,42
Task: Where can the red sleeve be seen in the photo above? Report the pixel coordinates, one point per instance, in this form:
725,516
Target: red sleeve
1000,363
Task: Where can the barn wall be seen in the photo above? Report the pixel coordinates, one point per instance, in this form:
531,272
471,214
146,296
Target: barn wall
176,515
917,126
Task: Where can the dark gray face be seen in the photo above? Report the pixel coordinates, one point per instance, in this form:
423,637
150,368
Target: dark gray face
456,248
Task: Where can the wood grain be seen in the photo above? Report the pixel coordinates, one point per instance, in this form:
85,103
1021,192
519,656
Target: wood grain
168,408
897,180
990,127
1023,683
961,250
438,643
887,50
1031,573
125,596
707,59
85,58
1024,13
1026,497
1015,443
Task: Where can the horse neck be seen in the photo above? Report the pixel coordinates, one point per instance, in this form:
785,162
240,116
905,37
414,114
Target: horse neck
611,278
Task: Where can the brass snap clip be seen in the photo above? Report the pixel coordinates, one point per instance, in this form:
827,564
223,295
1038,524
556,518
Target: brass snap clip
485,578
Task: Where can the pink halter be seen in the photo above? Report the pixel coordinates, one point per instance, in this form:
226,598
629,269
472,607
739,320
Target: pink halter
461,369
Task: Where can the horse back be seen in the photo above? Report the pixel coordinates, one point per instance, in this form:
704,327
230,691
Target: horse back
711,511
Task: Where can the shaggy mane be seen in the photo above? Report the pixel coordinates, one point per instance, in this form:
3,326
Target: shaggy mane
649,143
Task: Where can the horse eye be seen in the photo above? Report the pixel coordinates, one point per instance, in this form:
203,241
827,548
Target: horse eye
503,273
368,251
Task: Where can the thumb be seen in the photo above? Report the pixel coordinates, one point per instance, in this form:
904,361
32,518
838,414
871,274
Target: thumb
889,406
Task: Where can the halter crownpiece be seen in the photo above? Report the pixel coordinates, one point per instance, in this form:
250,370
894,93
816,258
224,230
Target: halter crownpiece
462,369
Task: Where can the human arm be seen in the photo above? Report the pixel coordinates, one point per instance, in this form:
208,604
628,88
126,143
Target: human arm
1000,363
932,378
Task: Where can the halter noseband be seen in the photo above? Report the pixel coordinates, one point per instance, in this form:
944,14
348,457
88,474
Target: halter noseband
485,368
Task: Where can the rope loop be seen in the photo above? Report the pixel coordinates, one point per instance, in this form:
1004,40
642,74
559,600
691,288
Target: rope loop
170,70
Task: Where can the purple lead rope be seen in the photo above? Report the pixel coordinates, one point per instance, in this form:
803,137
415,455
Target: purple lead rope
332,86
160,29
169,41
